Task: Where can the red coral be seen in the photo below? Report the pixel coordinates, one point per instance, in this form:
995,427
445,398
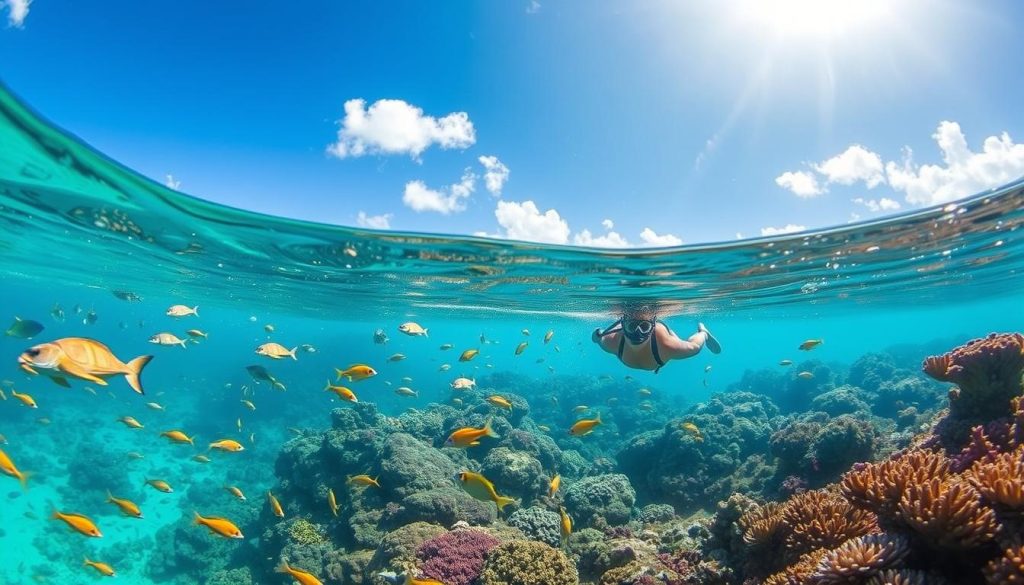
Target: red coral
455,558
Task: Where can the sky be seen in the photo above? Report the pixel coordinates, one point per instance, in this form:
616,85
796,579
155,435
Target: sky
612,124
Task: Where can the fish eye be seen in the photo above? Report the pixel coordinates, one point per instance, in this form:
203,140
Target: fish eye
33,352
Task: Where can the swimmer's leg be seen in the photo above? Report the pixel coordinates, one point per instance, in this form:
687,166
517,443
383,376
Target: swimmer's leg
708,338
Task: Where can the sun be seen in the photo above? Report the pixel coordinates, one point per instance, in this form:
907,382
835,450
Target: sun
815,19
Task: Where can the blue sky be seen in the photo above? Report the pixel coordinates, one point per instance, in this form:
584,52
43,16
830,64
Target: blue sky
668,121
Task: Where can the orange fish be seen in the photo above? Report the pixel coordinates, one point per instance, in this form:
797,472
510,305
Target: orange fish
332,502
810,344
9,468
79,523
178,437
130,422
160,485
102,568
553,486
363,480
356,372
275,506
219,526
235,492
585,426
25,399
470,436
83,358
301,577
128,507
229,445
342,392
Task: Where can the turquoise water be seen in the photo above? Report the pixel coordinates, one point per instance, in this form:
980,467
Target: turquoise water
76,227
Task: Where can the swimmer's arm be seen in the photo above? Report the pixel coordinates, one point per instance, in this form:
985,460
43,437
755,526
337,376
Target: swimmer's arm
609,342
671,347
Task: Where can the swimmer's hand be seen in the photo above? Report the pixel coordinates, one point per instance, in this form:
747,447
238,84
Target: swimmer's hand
596,336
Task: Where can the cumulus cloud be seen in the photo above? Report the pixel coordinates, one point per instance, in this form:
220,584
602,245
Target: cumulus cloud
607,224
495,174
876,205
789,228
524,221
608,240
17,10
652,239
965,172
450,199
377,222
855,164
801,183
397,127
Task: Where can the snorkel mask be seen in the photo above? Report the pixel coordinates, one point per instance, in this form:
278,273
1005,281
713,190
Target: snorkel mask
638,331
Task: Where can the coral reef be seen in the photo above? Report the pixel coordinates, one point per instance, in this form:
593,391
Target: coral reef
538,524
600,500
528,563
457,557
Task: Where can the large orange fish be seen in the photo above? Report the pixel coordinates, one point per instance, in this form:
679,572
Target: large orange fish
585,426
301,577
83,358
219,526
7,467
470,436
128,507
79,523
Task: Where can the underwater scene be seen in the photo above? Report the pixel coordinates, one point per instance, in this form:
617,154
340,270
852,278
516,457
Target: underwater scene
195,394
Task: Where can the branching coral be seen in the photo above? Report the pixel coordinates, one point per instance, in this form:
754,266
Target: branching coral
821,519
762,525
904,577
1001,480
988,372
797,573
948,513
859,558
879,486
524,562
455,558
1008,568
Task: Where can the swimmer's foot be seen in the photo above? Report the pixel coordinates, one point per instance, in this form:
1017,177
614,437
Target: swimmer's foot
710,340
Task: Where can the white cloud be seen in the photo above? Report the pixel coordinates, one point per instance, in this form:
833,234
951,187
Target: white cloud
608,224
659,241
608,240
450,199
17,11
965,172
495,174
533,7
789,228
855,164
523,221
801,183
172,182
709,148
377,222
397,127
883,204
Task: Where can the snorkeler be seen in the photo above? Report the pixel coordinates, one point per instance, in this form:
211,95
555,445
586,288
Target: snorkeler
643,342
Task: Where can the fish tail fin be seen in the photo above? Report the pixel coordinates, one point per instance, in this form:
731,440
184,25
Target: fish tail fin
283,567
87,562
195,310
196,518
488,430
292,353
182,344
503,501
425,334
110,497
598,419
338,373
23,478
134,374
327,386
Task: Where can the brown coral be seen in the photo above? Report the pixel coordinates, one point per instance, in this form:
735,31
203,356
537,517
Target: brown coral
761,525
987,370
948,513
821,519
526,562
859,558
1001,480
798,572
1006,569
879,486
904,577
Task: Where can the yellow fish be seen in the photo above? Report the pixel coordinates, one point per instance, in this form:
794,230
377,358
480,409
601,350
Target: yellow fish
219,526
410,580
549,335
363,480
178,437
83,358
553,486
342,392
691,428
7,467
248,404
230,445
182,311
470,436
167,339
810,344
127,507
276,351
500,402
412,329
482,489
301,577
332,502
25,399
566,524
102,568
805,376
275,506
79,523
356,372
130,422
521,347
235,492
469,354
160,485
585,426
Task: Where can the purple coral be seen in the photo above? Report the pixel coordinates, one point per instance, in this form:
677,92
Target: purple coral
455,558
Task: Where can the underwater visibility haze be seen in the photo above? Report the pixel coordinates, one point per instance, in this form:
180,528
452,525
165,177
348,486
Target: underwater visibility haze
483,436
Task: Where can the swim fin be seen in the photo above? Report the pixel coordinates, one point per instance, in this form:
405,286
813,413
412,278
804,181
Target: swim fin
710,340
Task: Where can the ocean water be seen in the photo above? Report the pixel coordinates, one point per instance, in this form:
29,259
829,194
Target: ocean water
76,227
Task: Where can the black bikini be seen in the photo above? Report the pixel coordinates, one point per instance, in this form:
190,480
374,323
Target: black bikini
622,342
